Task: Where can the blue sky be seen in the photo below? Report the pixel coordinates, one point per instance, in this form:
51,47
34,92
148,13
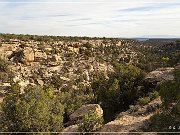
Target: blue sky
110,18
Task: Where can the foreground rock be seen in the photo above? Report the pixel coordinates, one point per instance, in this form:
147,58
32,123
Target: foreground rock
133,120
79,113
71,130
76,117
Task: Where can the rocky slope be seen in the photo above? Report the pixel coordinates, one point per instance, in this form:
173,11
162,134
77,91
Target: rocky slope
35,62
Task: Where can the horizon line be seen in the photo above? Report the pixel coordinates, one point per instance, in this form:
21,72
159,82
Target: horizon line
137,37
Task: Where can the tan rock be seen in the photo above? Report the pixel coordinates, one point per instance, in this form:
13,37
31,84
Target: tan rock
79,113
28,54
40,82
71,130
56,58
9,47
65,79
1,99
40,55
4,54
161,74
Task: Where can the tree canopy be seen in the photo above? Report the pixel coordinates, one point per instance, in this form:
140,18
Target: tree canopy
33,110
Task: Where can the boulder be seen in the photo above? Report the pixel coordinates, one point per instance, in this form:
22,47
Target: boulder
28,54
40,82
79,113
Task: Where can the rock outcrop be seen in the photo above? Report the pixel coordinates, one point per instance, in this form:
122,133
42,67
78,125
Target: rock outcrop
25,55
160,75
133,120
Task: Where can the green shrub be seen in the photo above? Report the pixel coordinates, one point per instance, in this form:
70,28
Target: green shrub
41,47
3,65
170,93
143,101
91,122
119,91
154,95
31,111
5,77
74,99
56,81
163,122
177,75
87,45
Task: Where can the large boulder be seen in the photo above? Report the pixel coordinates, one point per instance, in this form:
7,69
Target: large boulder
79,113
28,54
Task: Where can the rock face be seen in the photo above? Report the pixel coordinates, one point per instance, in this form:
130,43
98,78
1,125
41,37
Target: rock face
5,54
133,120
79,113
160,75
28,54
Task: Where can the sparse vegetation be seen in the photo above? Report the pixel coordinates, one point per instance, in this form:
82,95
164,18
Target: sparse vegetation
143,101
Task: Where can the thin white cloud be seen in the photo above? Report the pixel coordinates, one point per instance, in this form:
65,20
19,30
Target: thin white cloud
90,18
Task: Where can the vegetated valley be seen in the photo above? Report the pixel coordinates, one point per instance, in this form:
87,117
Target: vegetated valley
82,84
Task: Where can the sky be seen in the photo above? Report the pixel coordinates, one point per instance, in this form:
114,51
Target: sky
94,18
